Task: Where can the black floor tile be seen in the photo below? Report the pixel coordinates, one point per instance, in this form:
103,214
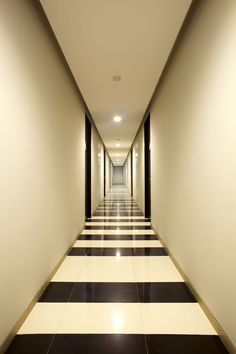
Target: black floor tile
118,220
30,344
57,292
117,237
164,292
117,214
98,344
184,344
149,251
104,292
95,251
88,227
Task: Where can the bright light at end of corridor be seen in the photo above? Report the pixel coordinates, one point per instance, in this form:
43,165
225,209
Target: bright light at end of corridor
117,119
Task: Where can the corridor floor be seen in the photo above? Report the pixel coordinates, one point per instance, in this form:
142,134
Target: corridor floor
117,292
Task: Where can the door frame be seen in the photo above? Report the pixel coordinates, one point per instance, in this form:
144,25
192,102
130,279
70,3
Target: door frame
88,140
147,168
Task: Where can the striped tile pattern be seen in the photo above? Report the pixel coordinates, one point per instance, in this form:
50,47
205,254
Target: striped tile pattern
117,292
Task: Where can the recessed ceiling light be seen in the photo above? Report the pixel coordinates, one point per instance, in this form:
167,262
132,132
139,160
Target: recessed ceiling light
117,119
118,145
116,77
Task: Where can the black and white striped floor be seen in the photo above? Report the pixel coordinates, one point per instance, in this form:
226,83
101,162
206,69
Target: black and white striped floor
117,292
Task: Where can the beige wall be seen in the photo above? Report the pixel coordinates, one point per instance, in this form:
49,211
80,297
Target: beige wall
41,157
97,169
138,169
193,147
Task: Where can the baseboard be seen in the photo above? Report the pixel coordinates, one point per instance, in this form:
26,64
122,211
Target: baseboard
219,330
33,302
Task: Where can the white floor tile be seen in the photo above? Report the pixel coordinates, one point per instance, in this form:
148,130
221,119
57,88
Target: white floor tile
117,232
69,269
44,318
101,318
115,208
107,269
118,244
175,318
155,269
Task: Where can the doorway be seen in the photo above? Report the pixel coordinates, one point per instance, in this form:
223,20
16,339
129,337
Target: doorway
131,170
88,130
147,168
104,172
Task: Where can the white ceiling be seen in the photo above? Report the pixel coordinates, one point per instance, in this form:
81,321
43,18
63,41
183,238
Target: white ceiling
103,38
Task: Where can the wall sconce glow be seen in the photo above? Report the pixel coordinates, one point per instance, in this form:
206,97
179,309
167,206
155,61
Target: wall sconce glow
117,119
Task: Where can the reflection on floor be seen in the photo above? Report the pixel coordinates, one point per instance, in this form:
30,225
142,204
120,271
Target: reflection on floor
117,292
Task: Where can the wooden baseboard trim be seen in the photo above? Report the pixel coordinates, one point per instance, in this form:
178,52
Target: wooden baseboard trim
219,330
33,302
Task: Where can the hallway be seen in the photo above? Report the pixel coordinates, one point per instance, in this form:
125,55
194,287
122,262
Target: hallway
117,292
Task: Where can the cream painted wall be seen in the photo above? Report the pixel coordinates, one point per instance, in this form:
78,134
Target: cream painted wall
193,134
138,169
97,169
41,157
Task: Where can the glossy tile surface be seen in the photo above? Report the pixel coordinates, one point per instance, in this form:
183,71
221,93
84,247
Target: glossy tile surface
117,231
69,269
43,319
175,318
155,269
130,223
115,243
107,269
184,344
164,292
117,292
101,318
98,344
118,237
30,343
104,292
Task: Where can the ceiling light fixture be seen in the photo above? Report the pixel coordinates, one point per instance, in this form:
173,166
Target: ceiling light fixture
117,119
